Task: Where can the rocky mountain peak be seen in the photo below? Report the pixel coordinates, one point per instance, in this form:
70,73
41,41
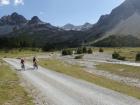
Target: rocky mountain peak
13,19
87,25
14,14
35,20
77,28
68,26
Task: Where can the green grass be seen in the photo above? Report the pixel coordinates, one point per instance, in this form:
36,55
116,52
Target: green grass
78,72
11,93
128,52
19,52
123,70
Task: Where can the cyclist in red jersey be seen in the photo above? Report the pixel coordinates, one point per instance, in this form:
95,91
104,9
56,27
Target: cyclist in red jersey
22,64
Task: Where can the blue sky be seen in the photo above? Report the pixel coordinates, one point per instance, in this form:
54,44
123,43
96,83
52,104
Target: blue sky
60,12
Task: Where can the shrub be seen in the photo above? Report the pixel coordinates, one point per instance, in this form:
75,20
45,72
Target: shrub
79,56
66,52
85,50
101,50
90,51
115,55
121,58
138,57
79,51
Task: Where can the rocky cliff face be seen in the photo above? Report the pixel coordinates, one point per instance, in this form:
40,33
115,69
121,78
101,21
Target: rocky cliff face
35,20
17,22
126,12
13,19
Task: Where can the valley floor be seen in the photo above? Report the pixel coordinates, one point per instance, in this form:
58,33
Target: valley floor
58,89
97,79
100,64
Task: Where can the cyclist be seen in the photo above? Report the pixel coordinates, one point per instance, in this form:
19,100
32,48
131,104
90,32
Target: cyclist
35,65
22,64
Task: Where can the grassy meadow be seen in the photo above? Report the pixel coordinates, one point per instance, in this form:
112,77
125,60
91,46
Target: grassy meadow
123,70
128,52
11,93
78,72
14,53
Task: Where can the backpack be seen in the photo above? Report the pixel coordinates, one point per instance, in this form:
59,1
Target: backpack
34,59
22,61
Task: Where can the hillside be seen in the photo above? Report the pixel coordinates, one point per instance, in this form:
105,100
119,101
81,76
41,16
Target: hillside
122,23
35,33
118,41
123,20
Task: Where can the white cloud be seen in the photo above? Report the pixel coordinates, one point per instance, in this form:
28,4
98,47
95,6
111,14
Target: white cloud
8,2
41,13
19,2
4,2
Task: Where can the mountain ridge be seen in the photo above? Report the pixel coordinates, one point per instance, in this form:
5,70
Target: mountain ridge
108,22
122,22
83,27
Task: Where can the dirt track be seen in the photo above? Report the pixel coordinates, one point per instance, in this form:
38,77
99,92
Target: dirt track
59,89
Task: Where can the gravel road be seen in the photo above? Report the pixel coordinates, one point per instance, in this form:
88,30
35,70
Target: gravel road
59,89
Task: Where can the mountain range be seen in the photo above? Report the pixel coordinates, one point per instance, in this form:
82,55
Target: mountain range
123,23
16,30
83,27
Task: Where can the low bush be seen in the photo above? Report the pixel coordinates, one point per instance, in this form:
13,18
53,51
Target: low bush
90,51
79,57
121,58
67,52
85,50
117,56
79,51
101,50
138,57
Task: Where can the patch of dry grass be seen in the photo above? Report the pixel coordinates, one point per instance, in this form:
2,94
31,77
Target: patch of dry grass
123,70
11,93
78,72
19,53
128,52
